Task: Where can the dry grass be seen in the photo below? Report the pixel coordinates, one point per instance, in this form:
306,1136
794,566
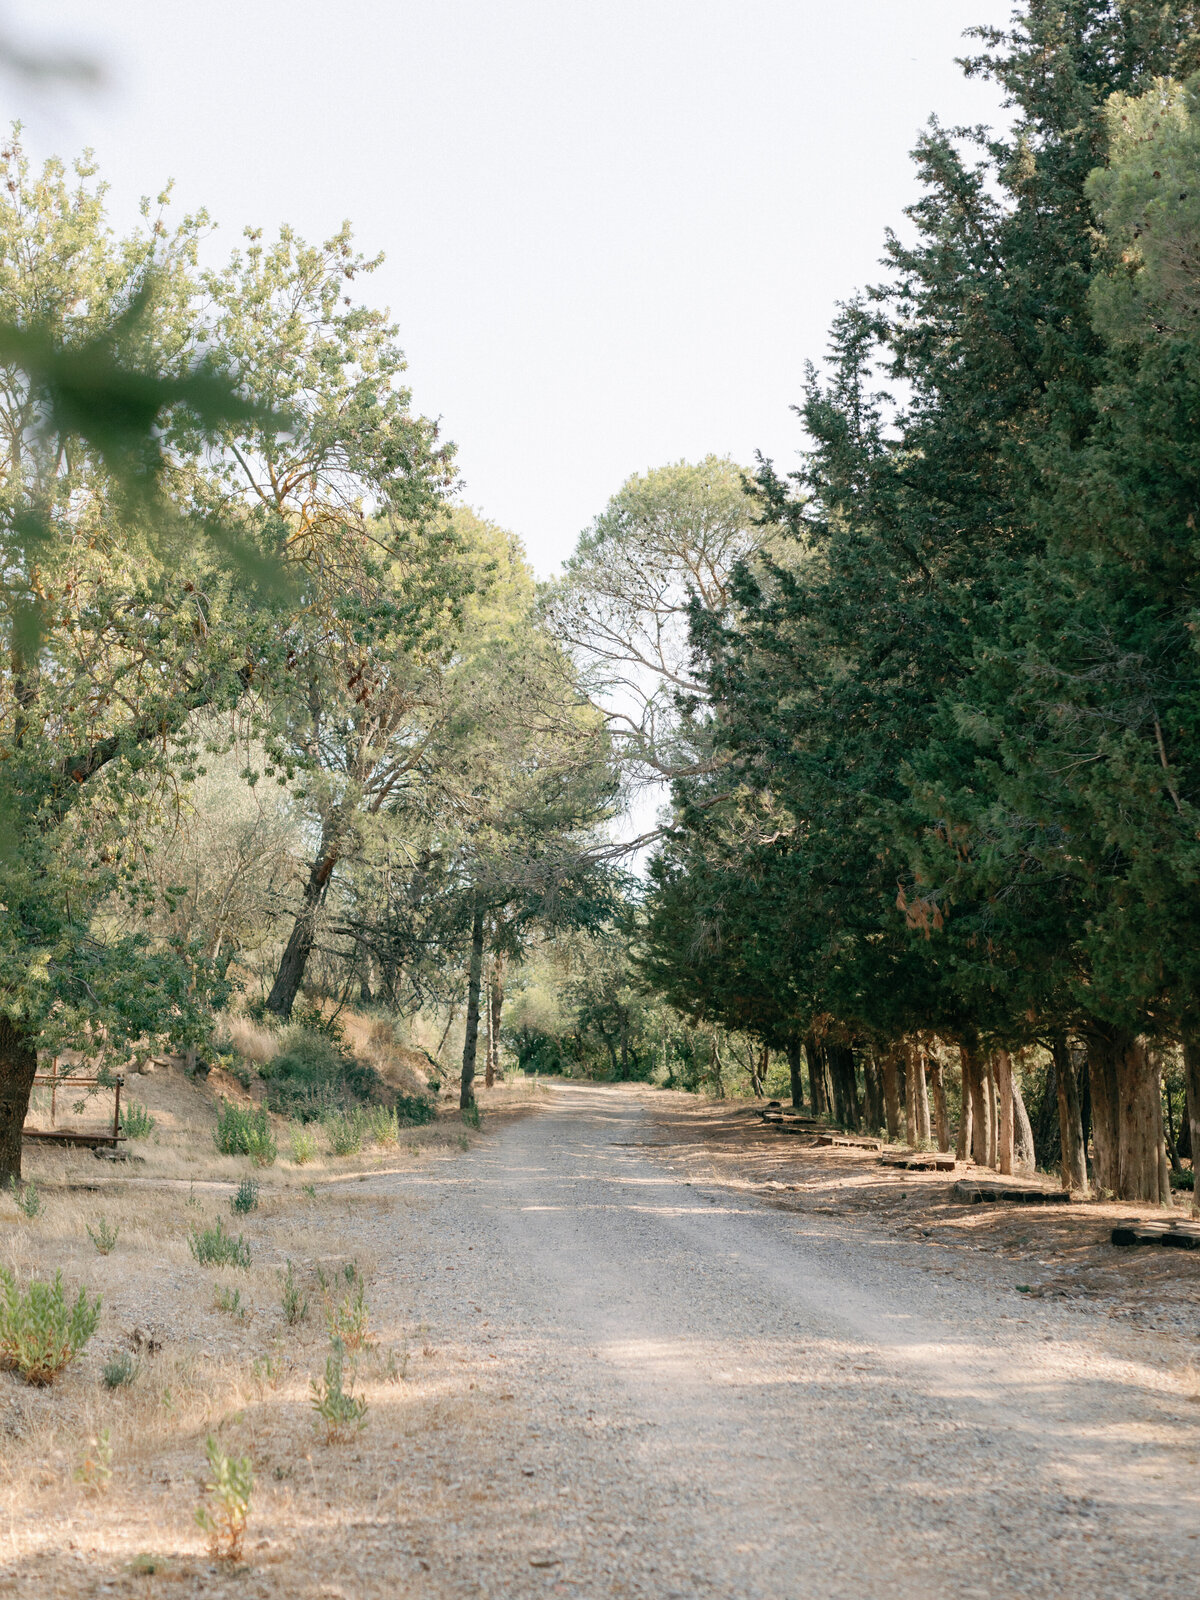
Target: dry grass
253,1041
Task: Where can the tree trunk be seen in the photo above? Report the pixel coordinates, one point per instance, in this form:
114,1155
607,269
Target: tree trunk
495,1003
758,1075
993,1109
718,1080
1004,1099
1141,1163
623,1013
1070,1118
1191,1073
941,1121
296,952
466,1097
981,1119
845,1084
872,1092
910,1098
1103,1048
793,1056
18,1063
816,1076
921,1095
891,1093
1024,1149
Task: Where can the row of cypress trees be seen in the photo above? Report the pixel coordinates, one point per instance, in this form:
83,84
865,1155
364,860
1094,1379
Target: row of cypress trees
957,692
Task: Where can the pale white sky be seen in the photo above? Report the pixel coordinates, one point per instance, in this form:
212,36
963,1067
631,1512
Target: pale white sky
615,229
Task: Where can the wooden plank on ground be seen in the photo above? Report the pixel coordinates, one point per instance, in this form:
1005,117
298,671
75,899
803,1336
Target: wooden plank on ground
86,1141
849,1141
919,1160
977,1191
1174,1235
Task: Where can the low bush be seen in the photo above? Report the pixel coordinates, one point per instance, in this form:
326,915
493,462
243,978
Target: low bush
213,1247
244,1131
28,1200
333,1403
224,1513
382,1125
230,1300
136,1121
40,1333
1185,1179
315,1074
470,1115
104,1236
303,1143
344,1130
245,1199
295,1304
414,1110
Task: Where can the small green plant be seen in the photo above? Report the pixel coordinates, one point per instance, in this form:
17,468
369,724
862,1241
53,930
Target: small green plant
136,1121
268,1370
344,1130
246,1197
303,1142
463,1142
470,1115
28,1201
213,1247
333,1403
1184,1180
119,1371
382,1124
245,1131
295,1304
348,1320
413,1109
40,1333
310,1189
230,1300
94,1472
104,1236
223,1515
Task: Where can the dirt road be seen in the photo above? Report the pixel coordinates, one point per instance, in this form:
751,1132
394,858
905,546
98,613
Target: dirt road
690,1393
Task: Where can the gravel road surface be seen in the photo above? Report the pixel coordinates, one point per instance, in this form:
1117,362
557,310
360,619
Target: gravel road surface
687,1391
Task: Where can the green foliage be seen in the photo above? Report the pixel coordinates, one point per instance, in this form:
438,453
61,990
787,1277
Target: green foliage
337,1408
245,1198
28,1200
470,1115
414,1110
344,1130
314,1074
104,1236
348,1319
295,1303
230,1300
302,1142
245,1131
119,1371
213,1247
224,1513
1184,1180
40,1333
136,1121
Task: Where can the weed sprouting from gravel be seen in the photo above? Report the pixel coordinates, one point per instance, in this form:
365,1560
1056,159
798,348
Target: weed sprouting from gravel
295,1304
337,1409
230,1300
119,1371
246,1198
104,1236
28,1200
213,1247
223,1514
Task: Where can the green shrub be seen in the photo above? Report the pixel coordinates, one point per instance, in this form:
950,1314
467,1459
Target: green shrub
213,1247
230,1300
244,1131
335,1406
40,1333
348,1320
381,1125
136,1121
414,1110
28,1200
315,1074
344,1130
246,1198
103,1236
1185,1179
303,1142
223,1516
470,1115
295,1304
119,1371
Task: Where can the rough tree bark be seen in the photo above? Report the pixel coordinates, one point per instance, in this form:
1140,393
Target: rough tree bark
921,1095
872,1092
797,1081
1141,1159
1191,1070
18,1063
941,1121
1103,1047
816,1076
845,1084
891,1092
466,1097
910,1098
1004,1098
495,1007
1070,1118
1024,1149
980,1101
296,952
